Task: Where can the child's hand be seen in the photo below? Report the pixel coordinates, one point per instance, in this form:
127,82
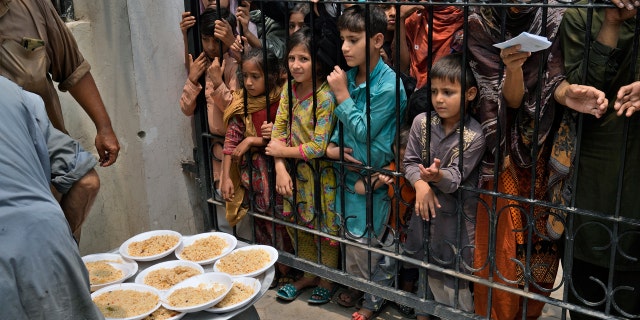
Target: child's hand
196,67
431,174
237,48
426,201
266,129
388,180
284,185
333,152
226,189
242,15
187,22
337,80
240,150
215,72
274,148
224,32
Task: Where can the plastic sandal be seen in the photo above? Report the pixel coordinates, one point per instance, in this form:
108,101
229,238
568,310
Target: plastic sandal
320,295
288,292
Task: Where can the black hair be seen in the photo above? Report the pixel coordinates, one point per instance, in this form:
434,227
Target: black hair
325,51
450,67
209,17
274,79
353,19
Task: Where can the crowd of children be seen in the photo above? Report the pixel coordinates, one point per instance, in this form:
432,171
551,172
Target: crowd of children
354,155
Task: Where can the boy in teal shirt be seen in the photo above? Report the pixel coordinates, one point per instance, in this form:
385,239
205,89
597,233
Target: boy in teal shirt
350,90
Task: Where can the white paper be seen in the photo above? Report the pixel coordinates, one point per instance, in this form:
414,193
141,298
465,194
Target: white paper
529,42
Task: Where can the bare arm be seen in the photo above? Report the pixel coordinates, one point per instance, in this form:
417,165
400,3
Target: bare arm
86,93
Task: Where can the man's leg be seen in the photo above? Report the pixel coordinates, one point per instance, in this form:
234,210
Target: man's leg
77,203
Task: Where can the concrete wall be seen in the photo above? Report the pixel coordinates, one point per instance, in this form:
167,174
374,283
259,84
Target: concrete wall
135,49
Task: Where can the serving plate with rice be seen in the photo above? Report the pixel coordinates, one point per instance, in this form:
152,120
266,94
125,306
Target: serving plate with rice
108,268
197,293
165,275
126,301
249,261
242,292
205,248
151,245
163,313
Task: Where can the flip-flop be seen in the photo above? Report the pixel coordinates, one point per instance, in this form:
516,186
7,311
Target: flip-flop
288,292
353,294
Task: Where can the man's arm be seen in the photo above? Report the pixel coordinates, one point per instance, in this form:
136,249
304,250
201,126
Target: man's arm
86,93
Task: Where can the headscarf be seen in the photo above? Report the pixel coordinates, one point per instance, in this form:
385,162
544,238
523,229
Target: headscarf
515,124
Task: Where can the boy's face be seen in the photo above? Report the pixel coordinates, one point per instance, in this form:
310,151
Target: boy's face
211,46
446,96
296,22
353,47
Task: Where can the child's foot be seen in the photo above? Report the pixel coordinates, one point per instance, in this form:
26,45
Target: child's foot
348,297
363,314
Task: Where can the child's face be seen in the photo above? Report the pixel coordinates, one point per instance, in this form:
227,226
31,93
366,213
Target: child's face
300,65
253,78
445,98
353,47
211,46
296,22
212,3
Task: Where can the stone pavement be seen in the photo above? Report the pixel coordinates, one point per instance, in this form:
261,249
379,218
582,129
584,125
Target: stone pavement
271,308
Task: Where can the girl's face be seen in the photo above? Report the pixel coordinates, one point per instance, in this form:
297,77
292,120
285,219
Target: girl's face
296,22
253,78
300,65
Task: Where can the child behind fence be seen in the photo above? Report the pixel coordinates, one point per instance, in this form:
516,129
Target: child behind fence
437,182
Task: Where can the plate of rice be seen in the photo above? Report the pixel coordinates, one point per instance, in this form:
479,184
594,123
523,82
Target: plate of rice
165,275
249,261
163,313
242,292
205,248
126,301
197,293
151,245
108,268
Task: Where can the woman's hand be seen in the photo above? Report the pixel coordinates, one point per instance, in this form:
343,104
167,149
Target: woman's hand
628,99
513,58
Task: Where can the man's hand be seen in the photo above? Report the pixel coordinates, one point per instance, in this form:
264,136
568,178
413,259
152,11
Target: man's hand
108,147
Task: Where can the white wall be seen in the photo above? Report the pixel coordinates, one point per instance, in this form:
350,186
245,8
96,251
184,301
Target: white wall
135,49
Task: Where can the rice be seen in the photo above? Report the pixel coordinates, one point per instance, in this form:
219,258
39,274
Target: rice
162,314
101,272
193,296
126,303
239,292
166,278
152,246
244,261
204,249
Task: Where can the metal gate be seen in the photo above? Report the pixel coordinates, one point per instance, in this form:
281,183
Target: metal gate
612,232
